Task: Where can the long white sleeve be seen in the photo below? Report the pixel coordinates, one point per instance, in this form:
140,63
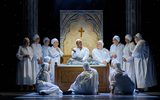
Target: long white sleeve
19,55
86,55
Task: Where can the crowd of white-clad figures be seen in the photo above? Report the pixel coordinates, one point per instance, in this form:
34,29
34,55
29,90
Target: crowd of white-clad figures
131,65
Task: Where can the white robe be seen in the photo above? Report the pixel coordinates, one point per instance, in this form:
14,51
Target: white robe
118,50
24,70
128,66
44,85
120,82
144,65
101,55
83,54
37,54
86,83
55,56
45,51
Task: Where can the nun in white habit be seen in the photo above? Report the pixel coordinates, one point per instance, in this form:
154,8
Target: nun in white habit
43,83
144,64
100,54
24,70
37,56
119,81
128,61
80,53
45,47
116,49
86,82
55,53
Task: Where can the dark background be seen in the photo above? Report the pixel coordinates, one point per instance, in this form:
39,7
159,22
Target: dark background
13,28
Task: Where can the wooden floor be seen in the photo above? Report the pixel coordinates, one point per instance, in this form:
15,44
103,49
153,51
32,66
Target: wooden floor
100,96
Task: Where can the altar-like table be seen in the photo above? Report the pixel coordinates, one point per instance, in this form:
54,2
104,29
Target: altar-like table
65,75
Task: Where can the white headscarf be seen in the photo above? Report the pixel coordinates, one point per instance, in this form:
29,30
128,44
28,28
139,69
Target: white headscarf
54,40
86,66
138,35
35,36
47,59
100,41
78,40
129,37
45,66
116,37
116,64
45,39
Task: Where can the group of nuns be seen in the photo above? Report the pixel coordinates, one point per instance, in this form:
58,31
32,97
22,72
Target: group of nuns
132,67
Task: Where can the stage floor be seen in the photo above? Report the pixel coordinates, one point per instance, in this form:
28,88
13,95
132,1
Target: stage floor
100,96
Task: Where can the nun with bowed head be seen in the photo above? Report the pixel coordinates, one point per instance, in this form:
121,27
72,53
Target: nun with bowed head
119,81
43,82
86,82
144,64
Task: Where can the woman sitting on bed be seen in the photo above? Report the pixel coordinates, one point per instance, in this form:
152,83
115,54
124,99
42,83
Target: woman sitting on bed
43,83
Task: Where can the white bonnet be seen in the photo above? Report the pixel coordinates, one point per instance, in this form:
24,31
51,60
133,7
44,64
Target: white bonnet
47,59
35,36
129,37
78,40
138,35
100,41
86,66
116,37
45,66
54,40
45,39
116,64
